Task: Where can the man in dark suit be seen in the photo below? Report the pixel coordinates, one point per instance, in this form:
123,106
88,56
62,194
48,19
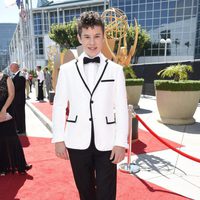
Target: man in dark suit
19,99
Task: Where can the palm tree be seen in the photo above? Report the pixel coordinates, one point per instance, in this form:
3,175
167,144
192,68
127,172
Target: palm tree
179,72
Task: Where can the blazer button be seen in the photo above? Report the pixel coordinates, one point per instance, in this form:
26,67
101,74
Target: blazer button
90,119
91,101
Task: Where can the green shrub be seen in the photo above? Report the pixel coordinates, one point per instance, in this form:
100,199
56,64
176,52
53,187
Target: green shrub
171,85
137,81
177,72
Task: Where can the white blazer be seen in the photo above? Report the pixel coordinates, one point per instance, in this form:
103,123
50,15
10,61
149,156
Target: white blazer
106,106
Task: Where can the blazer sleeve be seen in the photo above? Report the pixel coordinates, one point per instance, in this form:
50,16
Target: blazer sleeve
59,107
121,109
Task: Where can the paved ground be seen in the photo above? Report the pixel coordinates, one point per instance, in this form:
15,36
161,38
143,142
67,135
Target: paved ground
165,168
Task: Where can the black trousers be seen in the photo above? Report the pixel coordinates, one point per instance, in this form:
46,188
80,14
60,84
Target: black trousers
40,90
19,115
94,173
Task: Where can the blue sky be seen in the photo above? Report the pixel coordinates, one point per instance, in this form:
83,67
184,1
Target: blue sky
10,14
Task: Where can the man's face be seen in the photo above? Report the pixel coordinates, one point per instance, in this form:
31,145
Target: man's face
13,68
91,40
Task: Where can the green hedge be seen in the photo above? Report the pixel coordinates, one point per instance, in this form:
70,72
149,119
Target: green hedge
170,85
137,81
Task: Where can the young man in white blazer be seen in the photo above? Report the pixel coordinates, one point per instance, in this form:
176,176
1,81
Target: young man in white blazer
94,134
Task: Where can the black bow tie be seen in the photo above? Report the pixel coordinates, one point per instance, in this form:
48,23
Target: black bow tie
87,60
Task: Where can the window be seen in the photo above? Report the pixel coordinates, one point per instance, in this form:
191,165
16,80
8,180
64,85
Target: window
128,9
135,1
60,16
141,7
46,23
127,2
142,23
39,46
72,12
171,12
157,6
78,11
149,22
156,14
188,11
188,3
172,4
179,19
163,20
171,19
37,23
121,2
142,15
149,6
164,13
179,12
194,11
135,8
156,22
164,5
149,15
53,17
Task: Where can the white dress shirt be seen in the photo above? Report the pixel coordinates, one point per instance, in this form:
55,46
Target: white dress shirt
91,72
40,76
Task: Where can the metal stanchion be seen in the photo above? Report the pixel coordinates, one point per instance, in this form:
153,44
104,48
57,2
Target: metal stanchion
129,167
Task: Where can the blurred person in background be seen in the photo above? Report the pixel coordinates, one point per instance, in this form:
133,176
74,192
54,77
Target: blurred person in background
26,75
40,78
20,98
12,157
47,76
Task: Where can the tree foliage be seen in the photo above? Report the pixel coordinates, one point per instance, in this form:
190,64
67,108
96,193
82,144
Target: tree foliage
65,34
143,40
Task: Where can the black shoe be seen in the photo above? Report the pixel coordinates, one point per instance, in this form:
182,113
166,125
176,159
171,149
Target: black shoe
21,133
28,167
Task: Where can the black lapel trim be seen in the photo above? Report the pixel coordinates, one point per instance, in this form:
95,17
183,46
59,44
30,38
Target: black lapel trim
82,78
100,77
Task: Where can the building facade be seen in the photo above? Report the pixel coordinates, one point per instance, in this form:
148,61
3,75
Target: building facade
6,33
33,31
173,25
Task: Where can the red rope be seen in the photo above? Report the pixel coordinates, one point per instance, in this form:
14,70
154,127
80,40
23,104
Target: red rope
168,145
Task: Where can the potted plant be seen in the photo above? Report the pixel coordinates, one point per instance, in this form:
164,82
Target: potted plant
133,87
177,99
65,35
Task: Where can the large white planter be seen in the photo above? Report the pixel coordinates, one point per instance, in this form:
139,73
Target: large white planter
133,95
177,107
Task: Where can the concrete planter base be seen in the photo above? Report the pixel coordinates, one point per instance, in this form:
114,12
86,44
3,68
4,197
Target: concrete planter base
177,107
133,95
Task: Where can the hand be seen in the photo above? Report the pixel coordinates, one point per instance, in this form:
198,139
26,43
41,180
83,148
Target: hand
61,151
117,154
2,114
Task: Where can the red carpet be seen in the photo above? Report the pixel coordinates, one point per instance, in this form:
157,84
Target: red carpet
138,147
45,108
51,178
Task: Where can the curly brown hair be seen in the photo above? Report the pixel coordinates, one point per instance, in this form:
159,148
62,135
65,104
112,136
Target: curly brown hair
89,19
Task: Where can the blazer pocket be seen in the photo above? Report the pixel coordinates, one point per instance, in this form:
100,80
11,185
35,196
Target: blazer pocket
108,80
110,121
72,120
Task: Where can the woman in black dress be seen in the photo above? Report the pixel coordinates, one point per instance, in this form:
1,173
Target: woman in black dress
11,153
